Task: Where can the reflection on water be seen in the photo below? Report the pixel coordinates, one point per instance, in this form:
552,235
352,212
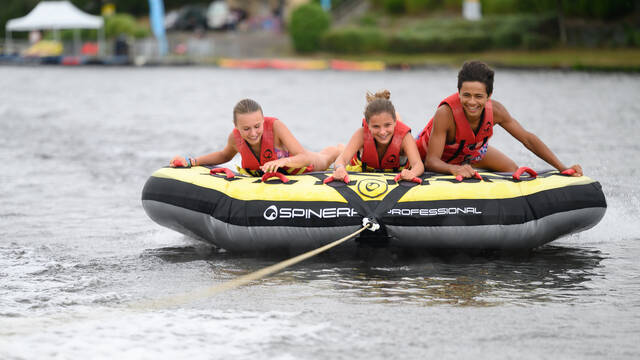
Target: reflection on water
178,254
547,274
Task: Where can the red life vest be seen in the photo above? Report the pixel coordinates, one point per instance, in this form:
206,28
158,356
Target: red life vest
391,158
267,151
467,144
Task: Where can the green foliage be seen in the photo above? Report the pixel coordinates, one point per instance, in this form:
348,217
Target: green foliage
308,23
420,6
377,4
631,35
533,41
459,35
599,9
354,40
420,42
467,41
141,7
611,9
634,40
414,42
501,7
395,7
415,7
508,31
368,20
453,5
85,34
498,7
117,24
505,38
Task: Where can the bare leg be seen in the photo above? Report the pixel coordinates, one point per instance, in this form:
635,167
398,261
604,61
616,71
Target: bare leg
324,158
494,160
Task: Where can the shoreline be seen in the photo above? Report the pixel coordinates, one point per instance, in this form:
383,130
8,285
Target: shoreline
625,60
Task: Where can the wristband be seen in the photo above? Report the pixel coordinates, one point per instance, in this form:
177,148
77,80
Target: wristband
336,167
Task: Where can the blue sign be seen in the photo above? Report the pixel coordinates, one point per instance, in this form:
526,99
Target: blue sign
156,16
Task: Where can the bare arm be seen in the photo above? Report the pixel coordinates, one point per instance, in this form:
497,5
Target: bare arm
354,144
502,117
214,158
443,124
298,156
413,158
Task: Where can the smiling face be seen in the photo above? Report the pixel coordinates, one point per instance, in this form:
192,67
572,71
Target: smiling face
382,126
473,96
250,126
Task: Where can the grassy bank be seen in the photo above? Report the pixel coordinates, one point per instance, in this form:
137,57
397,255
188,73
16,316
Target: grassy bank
516,40
627,60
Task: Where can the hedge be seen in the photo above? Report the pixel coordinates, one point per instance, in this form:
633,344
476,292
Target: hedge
449,35
354,40
308,23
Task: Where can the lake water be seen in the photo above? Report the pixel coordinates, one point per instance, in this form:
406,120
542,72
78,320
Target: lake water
84,273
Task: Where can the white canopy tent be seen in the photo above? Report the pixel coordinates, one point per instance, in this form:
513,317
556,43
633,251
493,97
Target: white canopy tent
56,15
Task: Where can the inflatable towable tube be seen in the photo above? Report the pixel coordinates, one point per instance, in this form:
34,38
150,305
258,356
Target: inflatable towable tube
246,214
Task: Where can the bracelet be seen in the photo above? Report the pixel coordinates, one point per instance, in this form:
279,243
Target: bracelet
336,167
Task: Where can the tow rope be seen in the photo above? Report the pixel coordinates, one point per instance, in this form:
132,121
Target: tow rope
245,279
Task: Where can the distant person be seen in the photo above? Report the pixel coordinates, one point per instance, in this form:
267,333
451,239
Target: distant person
265,144
121,46
383,143
34,36
120,51
455,140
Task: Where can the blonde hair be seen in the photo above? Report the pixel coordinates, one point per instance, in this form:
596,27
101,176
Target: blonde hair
382,94
245,106
379,103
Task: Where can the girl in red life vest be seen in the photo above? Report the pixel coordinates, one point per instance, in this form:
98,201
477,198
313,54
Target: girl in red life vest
265,144
380,142
455,140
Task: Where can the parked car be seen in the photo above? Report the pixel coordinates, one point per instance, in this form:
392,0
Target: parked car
218,15
221,17
188,18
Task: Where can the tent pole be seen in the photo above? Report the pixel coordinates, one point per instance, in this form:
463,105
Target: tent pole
101,41
76,42
8,43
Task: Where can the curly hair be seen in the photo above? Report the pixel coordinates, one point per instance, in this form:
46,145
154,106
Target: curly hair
476,71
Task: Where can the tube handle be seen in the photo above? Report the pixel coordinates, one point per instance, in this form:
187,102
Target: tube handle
279,175
523,169
415,179
475,175
229,174
331,179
